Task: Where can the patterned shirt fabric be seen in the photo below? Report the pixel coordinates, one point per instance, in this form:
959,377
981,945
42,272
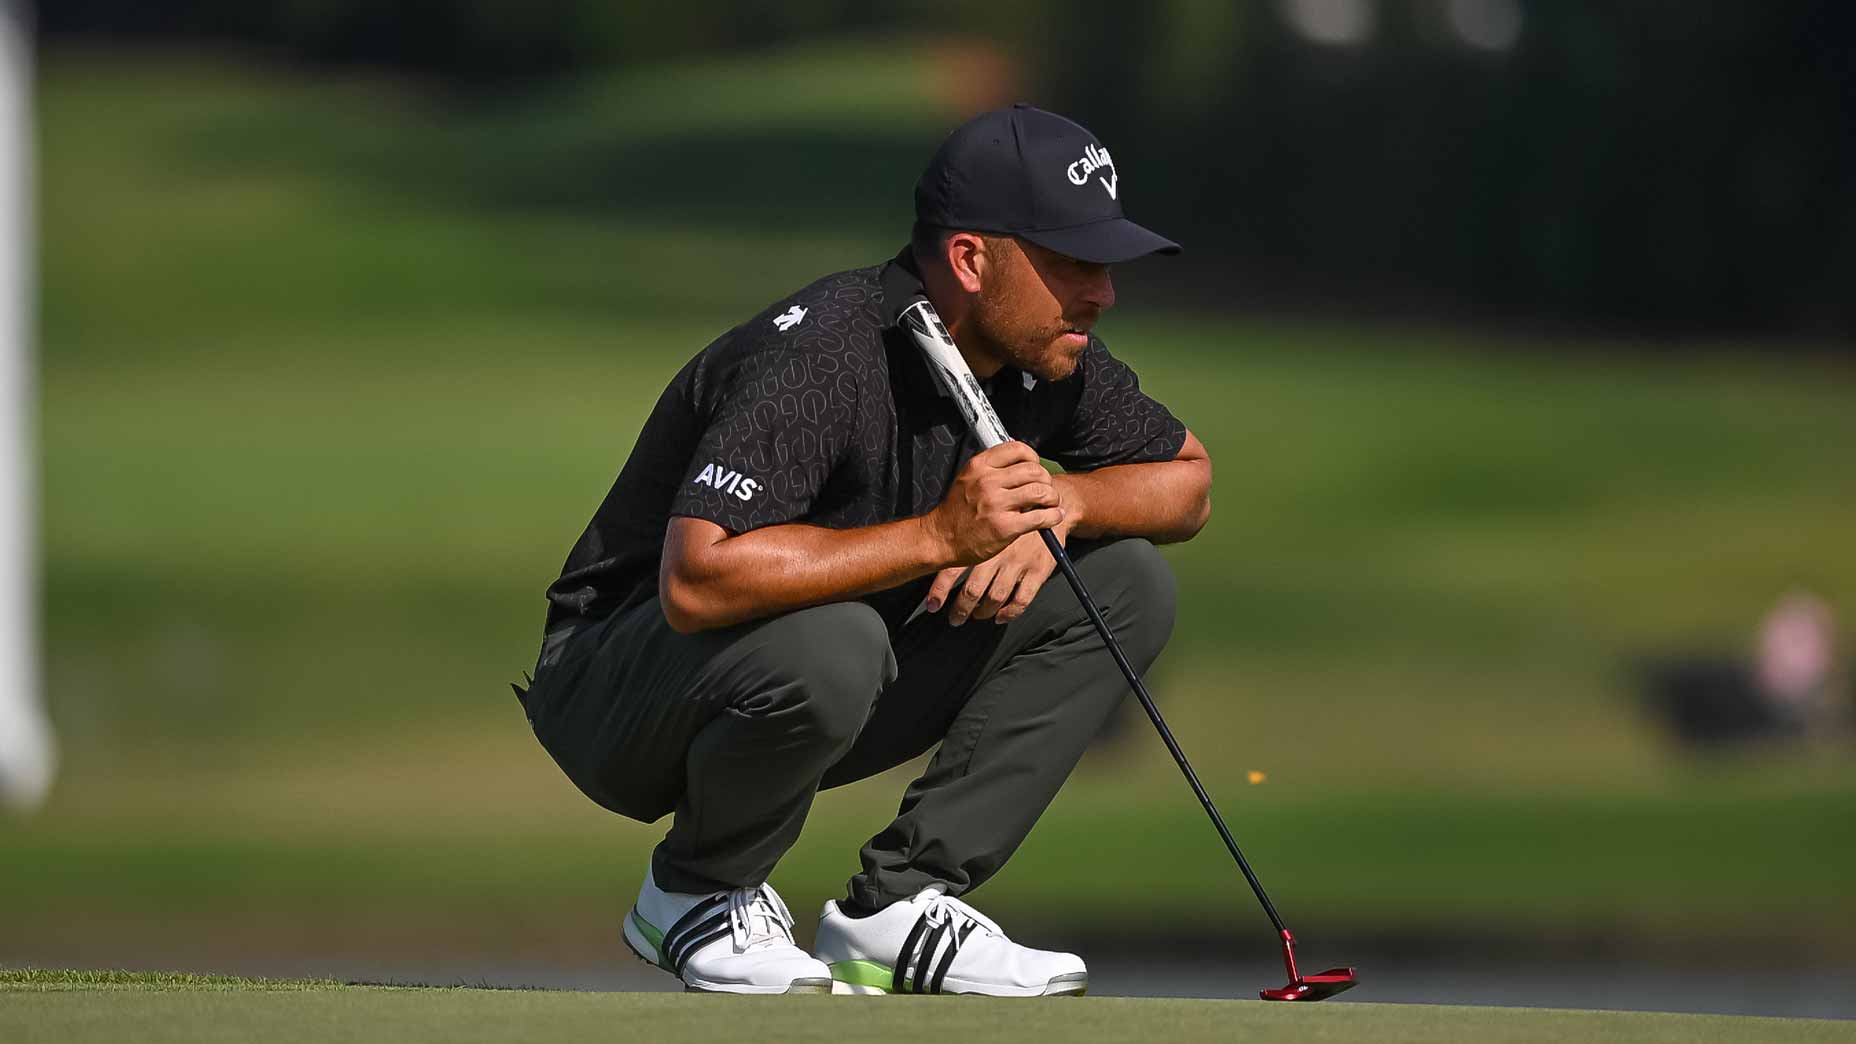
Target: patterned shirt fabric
821,410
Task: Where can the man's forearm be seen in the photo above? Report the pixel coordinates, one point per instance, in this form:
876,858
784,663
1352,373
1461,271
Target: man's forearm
709,579
1166,502
780,568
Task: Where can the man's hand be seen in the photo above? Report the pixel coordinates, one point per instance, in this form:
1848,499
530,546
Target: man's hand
1001,588
990,517
1000,495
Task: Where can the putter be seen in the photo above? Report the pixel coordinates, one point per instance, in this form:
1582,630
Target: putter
951,369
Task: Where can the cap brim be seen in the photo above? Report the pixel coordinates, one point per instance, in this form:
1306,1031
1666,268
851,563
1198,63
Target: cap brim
1104,242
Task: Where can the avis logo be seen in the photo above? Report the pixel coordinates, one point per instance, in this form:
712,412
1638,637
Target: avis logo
718,477
1094,159
790,318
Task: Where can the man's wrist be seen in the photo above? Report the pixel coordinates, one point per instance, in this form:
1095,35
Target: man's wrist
931,549
1075,505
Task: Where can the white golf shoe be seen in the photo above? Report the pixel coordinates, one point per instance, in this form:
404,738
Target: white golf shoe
935,943
739,941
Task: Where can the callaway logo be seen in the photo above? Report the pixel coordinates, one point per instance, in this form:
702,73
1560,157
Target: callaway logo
1094,159
787,320
728,481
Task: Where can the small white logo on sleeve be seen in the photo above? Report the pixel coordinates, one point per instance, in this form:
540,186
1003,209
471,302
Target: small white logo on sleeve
790,318
1094,158
718,477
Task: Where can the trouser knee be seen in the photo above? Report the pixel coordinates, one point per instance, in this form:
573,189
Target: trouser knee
820,670
1136,591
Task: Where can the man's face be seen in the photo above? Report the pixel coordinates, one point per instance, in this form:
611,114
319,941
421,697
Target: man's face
1036,306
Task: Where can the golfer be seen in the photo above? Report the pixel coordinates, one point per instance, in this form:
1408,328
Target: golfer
805,575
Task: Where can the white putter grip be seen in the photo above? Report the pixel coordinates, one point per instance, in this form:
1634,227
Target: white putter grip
952,371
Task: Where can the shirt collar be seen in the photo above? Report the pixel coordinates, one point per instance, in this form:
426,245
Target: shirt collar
902,284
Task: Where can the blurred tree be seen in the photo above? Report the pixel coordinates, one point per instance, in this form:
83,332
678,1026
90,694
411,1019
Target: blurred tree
1653,165
1639,164
493,42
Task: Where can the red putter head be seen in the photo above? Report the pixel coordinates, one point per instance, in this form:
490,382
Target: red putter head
1308,987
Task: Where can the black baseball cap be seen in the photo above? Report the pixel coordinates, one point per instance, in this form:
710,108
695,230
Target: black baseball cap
1033,174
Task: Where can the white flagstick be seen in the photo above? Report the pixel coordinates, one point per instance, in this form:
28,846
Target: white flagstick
27,755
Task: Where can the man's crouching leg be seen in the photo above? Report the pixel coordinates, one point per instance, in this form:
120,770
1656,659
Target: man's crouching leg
1013,707
794,694
1020,703
733,728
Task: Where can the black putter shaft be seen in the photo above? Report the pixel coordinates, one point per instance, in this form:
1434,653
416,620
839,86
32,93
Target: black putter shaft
956,377
1153,714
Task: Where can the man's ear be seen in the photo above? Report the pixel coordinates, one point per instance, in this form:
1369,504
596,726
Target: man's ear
968,259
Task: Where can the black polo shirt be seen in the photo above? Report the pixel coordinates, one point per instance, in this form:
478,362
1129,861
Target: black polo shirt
821,410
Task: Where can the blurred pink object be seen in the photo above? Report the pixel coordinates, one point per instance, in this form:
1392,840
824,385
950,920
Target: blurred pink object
1797,652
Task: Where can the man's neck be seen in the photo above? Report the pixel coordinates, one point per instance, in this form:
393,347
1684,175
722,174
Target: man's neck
951,304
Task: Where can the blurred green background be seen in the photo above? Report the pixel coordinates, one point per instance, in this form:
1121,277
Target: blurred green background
337,355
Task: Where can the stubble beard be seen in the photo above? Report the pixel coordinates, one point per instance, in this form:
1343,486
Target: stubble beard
1024,344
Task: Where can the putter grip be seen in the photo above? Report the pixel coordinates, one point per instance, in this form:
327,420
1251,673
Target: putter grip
951,369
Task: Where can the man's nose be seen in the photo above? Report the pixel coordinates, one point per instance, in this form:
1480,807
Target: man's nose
1099,289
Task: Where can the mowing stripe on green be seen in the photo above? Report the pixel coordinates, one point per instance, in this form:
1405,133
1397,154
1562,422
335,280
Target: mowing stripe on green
465,1016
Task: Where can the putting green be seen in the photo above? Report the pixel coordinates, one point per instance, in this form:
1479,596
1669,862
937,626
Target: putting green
76,1007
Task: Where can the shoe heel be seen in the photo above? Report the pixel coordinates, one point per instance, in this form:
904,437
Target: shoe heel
639,943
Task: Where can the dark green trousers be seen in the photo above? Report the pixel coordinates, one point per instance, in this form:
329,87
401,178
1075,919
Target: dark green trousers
734,730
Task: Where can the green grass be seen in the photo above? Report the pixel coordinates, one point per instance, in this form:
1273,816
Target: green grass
333,372
77,1007
49,980
1375,864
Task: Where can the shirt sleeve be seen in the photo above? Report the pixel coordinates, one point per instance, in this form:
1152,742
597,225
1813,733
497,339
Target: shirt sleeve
1114,422
778,421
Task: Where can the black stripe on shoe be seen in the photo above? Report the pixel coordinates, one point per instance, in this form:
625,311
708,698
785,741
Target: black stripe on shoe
899,979
677,951
701,911
700,920
694,941
926,964
947,959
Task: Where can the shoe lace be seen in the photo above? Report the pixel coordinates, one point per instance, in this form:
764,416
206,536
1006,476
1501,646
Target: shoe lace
943,908
757,916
